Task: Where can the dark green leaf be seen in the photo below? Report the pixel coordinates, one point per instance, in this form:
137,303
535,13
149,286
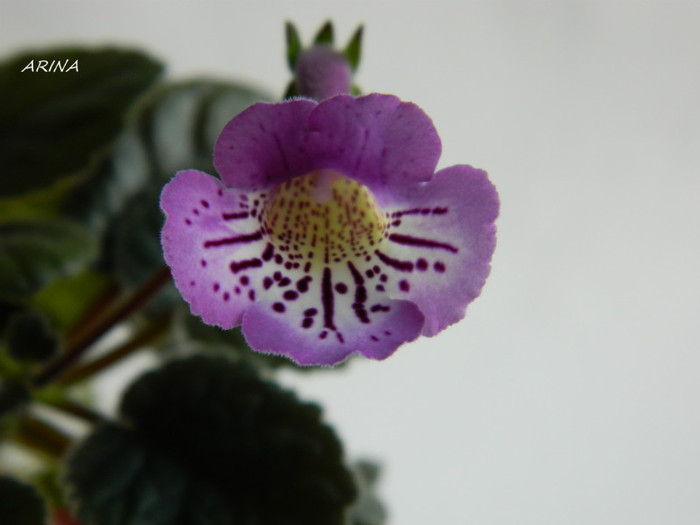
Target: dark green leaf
54,125
20,504
293,44
325,34
32,253
31,338
176,130
13,395
65,301
354,48
225,445
368,510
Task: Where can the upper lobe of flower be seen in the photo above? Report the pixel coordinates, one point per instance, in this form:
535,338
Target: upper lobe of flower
330,234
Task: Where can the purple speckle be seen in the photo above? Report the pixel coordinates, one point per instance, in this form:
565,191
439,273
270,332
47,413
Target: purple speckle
307,322
251,295
310,312
290,295
279,259
267,282
341,288
203,263
379,287
204,203
216,287
237,290
188,222
244,280
374,338
285,281
439,267
277,276
279,307
422,264
191,283
383,278
226,296
323,335
404,286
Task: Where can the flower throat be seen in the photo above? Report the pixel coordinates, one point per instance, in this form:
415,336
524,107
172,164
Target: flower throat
323,215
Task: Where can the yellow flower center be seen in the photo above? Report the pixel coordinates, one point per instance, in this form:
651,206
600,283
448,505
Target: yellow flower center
323,215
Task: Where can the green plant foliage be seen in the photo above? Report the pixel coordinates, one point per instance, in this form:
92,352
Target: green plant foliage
325,35
224,445
354,48
30,337
20,504
34,252
55,125
66,300
368,510
293,44
13,395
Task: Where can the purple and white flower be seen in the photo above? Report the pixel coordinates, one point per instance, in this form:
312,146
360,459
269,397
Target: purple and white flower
329,232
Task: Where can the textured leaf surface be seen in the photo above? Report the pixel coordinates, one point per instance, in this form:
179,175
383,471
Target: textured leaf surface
33,252
20,504
206,441
53,125
30,337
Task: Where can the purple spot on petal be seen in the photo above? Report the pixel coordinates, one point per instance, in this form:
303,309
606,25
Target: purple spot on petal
227,296
279,307
310,312
204,203
216,287
404,286
341,288
191,283
188,222
439,267
203,263
307,323
237,290
267,282
422,264
323,335
290,295
383,278
279,259
374,338
244,280
251,295
286,281
379,288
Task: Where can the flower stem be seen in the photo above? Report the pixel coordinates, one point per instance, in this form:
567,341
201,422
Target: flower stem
76,409
102,325
148,334
39,435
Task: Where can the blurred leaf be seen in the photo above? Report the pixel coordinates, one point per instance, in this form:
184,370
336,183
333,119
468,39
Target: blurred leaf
20,504
34,252
30,337
293,44
53,125
353,50
13,395
66,300
229,447
325,34
368,510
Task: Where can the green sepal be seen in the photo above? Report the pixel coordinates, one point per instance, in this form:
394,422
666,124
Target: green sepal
293,44
291,90
226,445
35,252
56,125
20,504
353,50
325,35
30,337
368,510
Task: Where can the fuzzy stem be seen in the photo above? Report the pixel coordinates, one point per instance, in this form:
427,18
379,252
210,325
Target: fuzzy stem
39,435
148,334
76,350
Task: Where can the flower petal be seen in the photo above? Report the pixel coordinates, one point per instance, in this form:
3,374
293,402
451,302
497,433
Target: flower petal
336,318
264,145
212,242
439,243
376,139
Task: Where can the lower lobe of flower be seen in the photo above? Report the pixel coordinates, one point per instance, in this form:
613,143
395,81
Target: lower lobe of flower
323,216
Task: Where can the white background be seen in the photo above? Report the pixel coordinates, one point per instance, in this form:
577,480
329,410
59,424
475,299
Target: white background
569,394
